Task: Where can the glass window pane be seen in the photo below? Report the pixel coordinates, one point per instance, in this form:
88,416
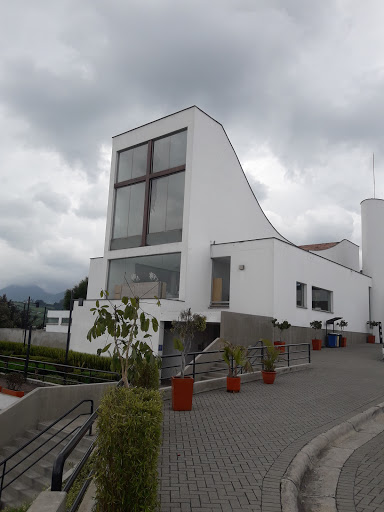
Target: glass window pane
300,295
124,171
166,210
161,151
321,299
120,225
128,220
221,271
145,276
139,166
132,163
178,149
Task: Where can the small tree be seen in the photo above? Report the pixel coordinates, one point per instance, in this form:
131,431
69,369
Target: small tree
283,326
342,324
239,355
371,324
271,357
79,292
185,327
124,324
316,325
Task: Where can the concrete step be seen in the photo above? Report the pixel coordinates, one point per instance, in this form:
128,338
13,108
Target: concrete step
38,477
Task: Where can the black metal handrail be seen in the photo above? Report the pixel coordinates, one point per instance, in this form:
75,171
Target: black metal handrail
63,375
255,354
4,462
58,466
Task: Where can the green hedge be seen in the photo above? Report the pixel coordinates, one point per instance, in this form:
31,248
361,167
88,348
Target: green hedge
127,450
57,355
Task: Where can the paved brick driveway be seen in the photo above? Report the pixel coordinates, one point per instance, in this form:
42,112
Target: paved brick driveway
230,452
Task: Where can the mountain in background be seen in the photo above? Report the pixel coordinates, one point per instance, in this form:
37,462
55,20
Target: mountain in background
21,293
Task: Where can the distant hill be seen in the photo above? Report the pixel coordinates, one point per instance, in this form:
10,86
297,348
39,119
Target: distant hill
21,293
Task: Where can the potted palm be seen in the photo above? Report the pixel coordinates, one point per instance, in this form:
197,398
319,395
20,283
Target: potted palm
235,356
342,324
282,326
371,324
185,328
269,359
316,325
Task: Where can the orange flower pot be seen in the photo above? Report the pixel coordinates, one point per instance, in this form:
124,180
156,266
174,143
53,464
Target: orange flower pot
371,338
182,392
11,392
316,344
268,377
343,342
233,384
281,347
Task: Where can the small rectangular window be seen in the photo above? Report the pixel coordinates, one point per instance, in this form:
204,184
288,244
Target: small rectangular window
301,295
52,320
321,299
65,321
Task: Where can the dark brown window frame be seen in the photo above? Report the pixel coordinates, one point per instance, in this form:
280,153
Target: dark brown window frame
146,178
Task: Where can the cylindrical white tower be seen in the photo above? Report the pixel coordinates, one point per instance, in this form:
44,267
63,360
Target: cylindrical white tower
372,230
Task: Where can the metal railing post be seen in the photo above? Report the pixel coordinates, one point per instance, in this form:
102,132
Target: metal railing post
309,353
2,479
262,357
90,428
194,366
28,351
288,355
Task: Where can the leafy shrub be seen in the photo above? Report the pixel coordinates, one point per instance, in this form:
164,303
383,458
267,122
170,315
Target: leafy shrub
147,375
15,381
127,450
57,355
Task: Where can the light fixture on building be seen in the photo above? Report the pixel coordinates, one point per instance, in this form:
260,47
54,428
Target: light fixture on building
241,267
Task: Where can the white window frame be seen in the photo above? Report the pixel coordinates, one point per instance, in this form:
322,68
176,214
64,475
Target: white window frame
304,305
330,310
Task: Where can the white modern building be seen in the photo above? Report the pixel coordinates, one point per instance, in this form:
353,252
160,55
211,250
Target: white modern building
57,320
184,225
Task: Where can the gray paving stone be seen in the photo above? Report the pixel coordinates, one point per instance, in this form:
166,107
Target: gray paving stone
230,447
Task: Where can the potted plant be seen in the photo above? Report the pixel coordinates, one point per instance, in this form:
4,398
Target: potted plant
282,326
235,356
185,327
269,359
342,324
316,325
14,382
371,324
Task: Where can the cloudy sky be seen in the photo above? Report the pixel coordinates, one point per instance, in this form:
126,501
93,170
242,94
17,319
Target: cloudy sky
298,86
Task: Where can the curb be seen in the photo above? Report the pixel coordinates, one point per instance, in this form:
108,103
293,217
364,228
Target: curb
305,459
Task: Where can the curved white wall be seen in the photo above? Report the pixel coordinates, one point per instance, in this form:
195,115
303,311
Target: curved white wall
372,228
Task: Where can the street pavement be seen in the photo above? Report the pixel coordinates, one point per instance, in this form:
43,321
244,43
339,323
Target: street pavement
231,451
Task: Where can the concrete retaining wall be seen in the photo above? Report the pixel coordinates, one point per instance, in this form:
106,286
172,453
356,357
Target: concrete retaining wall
248,329
46,404
39,337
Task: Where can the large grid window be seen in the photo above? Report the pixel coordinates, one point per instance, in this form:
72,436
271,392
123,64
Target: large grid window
145,277
149,193
321,299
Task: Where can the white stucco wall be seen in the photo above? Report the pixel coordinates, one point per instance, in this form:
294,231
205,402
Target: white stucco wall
345,252
350,288
372,228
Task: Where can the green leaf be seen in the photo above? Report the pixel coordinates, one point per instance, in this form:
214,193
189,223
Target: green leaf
155,324
124,300
177,343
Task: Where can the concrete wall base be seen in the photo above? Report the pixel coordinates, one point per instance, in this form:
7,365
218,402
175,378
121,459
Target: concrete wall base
49,501
39,337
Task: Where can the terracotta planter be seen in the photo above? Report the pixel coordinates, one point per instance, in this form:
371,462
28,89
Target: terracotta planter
11,392
182,392
316,344
268,377
371,338
343,342
281,347
233,384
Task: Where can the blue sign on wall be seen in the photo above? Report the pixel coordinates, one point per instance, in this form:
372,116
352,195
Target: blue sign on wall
160,348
